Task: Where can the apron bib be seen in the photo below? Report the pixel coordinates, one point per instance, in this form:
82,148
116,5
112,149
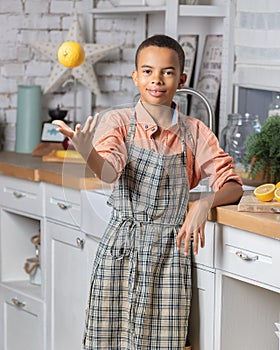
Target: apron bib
141,284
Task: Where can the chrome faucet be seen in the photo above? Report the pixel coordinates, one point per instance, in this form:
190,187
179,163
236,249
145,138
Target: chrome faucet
203,98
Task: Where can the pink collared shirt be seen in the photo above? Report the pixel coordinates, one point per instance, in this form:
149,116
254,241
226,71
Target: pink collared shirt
205,158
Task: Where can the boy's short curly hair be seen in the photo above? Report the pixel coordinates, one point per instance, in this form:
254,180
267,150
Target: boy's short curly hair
161,40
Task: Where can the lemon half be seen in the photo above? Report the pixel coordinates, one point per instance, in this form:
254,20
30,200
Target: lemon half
277,194
265,193
71,54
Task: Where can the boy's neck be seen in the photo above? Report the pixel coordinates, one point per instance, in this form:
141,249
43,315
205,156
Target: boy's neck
162,115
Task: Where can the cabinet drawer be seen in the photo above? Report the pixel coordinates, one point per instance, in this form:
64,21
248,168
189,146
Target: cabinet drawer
26,196
63,204
23,321
248,255
95,213
205,255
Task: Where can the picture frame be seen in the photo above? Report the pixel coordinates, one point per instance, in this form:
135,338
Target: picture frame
50,133
209,77
189,44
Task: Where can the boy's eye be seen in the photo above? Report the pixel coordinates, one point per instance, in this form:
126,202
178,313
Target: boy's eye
146,71
168,72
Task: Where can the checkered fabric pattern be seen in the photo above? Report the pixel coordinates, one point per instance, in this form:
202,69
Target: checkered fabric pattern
141,284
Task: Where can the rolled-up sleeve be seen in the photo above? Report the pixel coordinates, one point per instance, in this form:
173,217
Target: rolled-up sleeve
109,138
210,160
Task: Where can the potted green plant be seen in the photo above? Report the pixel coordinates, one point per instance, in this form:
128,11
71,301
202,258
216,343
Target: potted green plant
262,158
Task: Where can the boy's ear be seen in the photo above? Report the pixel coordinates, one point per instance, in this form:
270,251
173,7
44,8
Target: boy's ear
183,79
134,77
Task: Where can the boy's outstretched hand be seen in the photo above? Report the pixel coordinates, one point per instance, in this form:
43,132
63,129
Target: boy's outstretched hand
81,137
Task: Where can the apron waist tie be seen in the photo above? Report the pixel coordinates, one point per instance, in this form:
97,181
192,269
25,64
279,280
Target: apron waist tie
124,238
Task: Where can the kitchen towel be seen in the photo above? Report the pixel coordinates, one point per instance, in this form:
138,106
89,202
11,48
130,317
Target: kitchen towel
29,123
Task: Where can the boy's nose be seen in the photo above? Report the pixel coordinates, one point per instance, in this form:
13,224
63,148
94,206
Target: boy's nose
156,79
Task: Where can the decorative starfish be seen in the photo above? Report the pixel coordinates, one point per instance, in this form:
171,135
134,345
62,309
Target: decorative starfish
84,73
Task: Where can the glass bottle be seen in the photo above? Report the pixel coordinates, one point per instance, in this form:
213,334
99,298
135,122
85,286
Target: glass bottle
227,130
246,125
274,106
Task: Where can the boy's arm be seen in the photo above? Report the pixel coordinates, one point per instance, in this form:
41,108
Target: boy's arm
196,217
229,193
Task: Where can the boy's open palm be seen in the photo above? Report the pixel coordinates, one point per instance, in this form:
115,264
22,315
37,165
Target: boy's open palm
81,137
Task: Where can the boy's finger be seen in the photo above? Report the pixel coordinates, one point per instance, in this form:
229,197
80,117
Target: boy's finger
195,242
179,239
63,128
86,128
94,122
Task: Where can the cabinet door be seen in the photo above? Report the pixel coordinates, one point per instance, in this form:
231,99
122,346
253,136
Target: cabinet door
21,320
201,328
68,287
247,314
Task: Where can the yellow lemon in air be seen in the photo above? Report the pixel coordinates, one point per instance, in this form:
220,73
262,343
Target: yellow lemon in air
277,194
265,193
71,54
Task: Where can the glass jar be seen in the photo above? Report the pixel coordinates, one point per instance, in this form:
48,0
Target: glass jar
274,106
227,130
246,125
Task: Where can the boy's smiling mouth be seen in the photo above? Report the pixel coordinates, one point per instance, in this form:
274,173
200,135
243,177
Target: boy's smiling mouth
156,93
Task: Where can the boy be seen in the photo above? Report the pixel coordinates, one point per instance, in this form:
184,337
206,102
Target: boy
141,282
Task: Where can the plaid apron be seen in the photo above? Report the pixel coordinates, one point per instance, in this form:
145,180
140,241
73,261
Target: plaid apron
141,284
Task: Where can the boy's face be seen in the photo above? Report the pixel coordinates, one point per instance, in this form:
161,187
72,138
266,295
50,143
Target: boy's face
158,75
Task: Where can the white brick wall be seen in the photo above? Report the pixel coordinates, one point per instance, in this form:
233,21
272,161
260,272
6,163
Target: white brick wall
23,21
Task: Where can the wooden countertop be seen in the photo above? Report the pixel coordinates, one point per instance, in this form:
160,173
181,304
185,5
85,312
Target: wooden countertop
78,176
264,224
27,167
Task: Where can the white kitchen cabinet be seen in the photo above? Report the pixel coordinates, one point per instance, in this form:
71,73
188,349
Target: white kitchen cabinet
201,327
22,321
236,285
70,253
247,290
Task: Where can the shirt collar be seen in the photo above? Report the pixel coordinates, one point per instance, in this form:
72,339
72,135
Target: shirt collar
148,121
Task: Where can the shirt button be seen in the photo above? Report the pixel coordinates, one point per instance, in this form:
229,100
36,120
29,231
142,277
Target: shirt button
153,129
146,126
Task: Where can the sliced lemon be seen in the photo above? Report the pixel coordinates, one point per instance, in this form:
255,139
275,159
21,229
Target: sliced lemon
277,194
68,154
265,193
71,54
277,185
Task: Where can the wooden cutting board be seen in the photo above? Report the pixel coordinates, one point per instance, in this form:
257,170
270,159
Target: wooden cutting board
51,157
249,202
